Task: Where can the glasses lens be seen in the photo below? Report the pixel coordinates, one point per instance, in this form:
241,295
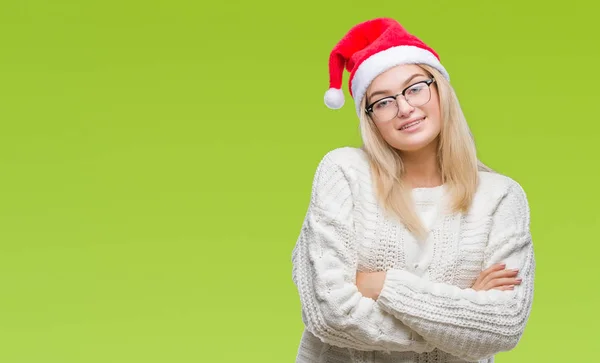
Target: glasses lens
418,95
385,109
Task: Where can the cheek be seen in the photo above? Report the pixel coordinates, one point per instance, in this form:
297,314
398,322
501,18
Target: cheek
434,107
434,115
386,131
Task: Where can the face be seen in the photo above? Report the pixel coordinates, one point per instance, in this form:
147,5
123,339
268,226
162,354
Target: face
411,122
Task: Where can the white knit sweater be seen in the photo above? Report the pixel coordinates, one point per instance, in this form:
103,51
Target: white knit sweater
427,311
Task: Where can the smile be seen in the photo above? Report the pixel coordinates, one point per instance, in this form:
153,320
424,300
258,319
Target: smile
412,124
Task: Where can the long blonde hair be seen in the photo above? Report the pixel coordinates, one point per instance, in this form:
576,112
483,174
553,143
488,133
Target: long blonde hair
457,160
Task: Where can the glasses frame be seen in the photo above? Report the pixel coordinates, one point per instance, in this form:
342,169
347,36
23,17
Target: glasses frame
428,82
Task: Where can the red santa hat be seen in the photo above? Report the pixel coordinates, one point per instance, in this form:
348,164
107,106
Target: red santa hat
369,49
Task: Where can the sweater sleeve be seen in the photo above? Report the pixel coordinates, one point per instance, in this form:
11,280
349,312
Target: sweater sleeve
324,271
469,324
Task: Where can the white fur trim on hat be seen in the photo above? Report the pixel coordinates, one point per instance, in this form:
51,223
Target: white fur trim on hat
380,62
334,98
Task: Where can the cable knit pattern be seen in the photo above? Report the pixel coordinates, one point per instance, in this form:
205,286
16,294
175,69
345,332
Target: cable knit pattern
426,312
325,264
482,323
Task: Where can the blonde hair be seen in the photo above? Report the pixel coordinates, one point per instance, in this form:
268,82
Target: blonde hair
457,160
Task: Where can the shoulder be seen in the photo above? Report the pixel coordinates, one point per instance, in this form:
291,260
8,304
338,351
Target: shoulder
497,189
346,157
496,183
334,183
346,160
338,173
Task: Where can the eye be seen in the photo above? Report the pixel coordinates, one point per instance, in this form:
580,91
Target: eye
383,104
415,89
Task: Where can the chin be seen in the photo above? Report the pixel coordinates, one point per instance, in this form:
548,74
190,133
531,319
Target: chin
412,145
410,148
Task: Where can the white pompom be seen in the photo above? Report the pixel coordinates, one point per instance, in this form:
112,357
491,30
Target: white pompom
334,98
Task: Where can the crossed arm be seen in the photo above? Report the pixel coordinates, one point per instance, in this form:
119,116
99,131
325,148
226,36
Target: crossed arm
406,312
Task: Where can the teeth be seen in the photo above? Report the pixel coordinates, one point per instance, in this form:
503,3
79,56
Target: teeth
410,124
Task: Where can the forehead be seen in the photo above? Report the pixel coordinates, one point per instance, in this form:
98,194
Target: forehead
395,77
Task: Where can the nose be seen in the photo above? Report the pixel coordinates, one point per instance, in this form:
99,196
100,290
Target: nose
404,109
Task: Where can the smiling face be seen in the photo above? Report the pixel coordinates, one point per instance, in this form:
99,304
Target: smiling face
412,121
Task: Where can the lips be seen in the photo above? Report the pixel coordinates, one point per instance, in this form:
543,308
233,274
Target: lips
410,123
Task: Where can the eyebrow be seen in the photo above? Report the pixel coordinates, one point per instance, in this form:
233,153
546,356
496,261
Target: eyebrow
383,92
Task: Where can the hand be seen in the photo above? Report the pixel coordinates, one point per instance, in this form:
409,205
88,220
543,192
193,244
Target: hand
370,284
496,277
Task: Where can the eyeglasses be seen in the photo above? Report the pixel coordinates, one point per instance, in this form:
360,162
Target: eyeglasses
386,109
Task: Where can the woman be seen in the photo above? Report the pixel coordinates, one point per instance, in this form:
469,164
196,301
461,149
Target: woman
411,249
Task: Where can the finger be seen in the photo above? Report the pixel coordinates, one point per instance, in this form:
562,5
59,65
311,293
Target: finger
494,273
502,273
503,282
489,270
482,278
505,288
499,274
495,267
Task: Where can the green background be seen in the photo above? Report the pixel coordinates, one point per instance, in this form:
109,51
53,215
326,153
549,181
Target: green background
156,160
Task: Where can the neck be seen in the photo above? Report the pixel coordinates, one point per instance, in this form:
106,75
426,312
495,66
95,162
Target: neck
421,168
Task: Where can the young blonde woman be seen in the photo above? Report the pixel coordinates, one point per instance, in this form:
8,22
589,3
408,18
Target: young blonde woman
411,249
